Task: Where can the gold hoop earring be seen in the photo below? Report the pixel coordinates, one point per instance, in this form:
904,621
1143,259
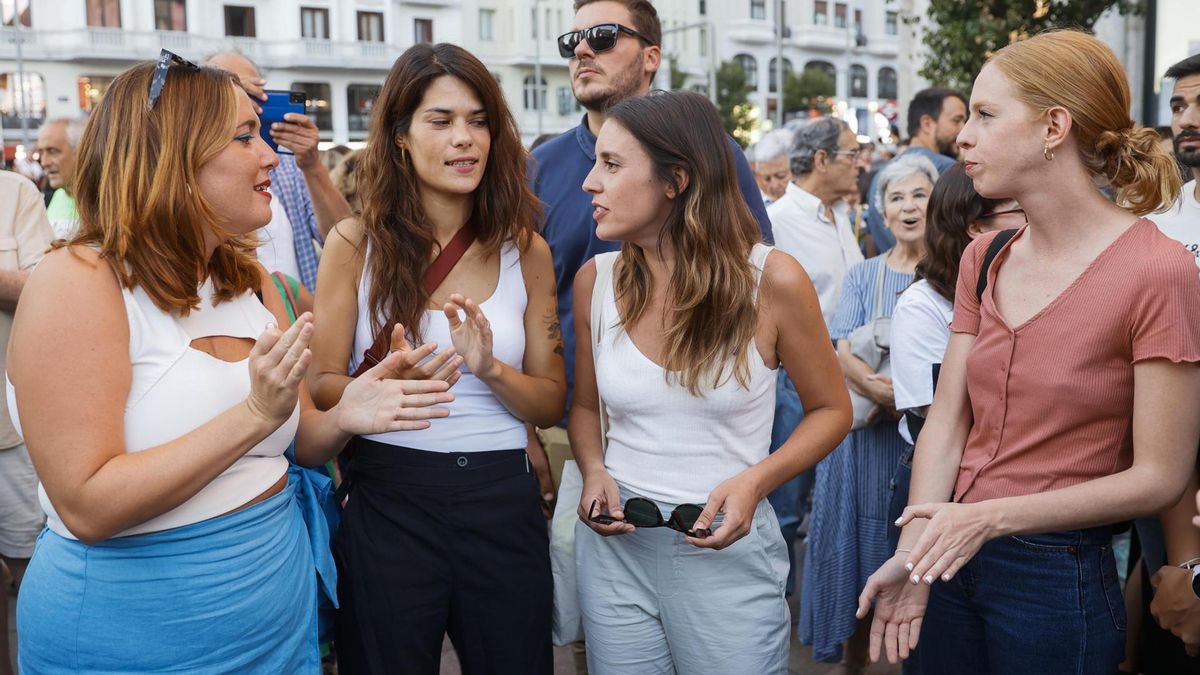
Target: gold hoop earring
1048,153
403,154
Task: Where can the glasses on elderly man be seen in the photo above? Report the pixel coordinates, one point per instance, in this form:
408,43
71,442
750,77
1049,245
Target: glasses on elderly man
166,59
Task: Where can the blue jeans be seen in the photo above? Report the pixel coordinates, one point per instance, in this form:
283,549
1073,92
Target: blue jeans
788,499
1029,605
899,499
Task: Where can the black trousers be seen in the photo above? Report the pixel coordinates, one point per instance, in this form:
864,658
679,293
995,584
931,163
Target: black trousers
433,543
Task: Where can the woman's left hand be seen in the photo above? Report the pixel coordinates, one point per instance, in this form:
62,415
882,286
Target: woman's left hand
737,498
954,535
472,336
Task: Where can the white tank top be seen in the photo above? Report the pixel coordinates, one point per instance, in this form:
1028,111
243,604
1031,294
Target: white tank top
175,389
663,442
478,421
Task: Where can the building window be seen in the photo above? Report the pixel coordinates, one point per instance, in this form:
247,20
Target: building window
422,31
820,13
15,14
27,100
370,27
314,23
750,67
487,25
239,21
565,100
839,15
892,24
317,103
771,79
91,89
858,81
360,98
858,27
104,13
887,83
758,9
824,67
704,41
703,8
534,96
170,15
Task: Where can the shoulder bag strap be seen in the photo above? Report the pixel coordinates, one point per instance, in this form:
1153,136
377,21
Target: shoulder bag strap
289,299
435,274
993,250
878,313
604,273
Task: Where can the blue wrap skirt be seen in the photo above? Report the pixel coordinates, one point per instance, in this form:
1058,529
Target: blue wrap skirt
236,593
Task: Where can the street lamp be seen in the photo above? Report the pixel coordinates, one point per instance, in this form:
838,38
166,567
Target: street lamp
712,53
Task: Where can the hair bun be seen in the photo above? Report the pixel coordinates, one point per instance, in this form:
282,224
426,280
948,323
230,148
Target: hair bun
1133,163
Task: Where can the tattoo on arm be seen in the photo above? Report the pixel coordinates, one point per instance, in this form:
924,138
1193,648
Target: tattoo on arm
554,330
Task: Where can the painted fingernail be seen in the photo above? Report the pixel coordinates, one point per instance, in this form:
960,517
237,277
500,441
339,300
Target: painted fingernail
929,579
899,519
908,566
946,576
916,579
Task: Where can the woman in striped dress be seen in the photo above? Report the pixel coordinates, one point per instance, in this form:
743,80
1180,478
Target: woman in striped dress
847,539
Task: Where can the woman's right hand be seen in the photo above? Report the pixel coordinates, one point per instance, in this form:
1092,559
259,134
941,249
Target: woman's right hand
443,366
601,496
879,389
278,362
899,609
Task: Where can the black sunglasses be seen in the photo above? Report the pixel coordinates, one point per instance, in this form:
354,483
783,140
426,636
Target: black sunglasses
641,512
166,59
600,38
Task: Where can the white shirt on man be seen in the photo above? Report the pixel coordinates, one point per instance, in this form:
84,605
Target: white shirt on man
826,249
276,242
1182,221
920,333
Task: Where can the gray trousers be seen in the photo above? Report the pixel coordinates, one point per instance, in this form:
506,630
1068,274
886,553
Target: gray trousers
653,604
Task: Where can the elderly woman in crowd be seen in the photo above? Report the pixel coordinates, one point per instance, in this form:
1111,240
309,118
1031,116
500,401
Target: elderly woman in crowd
847,539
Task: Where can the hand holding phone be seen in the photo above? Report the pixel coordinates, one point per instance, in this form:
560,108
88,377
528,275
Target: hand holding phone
278,104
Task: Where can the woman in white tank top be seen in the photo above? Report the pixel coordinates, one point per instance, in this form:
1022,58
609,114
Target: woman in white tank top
688,324
443,531
157,398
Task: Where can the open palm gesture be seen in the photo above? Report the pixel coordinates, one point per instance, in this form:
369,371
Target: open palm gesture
472,336
375,402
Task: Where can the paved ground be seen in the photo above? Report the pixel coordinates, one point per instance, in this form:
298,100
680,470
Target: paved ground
801,659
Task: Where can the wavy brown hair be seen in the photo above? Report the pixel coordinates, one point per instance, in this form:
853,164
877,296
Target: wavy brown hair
401,240
954,206
1077,71
136,164
712,313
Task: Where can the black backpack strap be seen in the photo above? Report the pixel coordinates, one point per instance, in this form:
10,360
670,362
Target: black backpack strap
993,250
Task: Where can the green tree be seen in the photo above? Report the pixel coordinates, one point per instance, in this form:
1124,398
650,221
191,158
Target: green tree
678,76
733,100
959,36
812,89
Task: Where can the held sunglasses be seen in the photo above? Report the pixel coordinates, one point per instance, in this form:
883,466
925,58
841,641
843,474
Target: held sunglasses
641,512
600,38
166,59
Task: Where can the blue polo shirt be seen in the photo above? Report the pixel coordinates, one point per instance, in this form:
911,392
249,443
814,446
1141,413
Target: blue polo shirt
879,233
558,170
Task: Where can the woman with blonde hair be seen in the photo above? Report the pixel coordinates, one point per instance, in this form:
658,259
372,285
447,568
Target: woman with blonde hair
688,324
157,398
1058,405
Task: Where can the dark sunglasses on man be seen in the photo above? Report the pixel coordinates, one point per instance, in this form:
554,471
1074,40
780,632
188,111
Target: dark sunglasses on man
600,38
166,59
641,512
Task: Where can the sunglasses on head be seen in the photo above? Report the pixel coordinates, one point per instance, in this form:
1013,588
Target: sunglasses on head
166,59
600,38
641,512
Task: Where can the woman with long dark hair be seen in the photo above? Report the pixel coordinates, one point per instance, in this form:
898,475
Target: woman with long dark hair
443,531
688,324
921,321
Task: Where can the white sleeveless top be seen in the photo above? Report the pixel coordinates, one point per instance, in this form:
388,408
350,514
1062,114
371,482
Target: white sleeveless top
175,389
478,421
663,442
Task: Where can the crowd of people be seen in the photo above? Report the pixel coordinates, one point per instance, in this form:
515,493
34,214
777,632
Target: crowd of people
268,417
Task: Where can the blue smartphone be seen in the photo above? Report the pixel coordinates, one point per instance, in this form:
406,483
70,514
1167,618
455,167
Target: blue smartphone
278,104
